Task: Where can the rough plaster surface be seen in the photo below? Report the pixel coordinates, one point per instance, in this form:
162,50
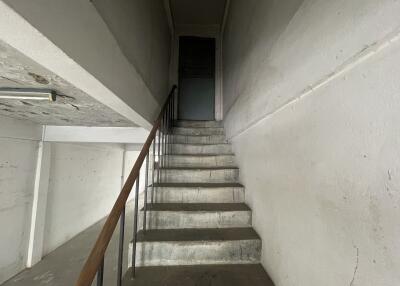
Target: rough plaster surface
18,154
72,107
321,174
85,180
290,47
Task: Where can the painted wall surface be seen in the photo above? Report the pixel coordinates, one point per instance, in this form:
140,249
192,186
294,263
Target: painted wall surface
18,154
88,41
85,180
311,92
141,30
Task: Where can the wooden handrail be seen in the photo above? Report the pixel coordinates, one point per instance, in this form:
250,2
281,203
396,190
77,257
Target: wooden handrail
95,258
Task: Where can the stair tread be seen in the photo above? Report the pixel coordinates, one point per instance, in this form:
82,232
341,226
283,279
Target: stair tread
200,168
199,185
194,234
200,144
199,127
201,154
200,275
198,207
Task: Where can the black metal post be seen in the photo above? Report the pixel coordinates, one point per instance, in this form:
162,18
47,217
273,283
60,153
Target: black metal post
158,156
135,223
121,247
153,169
145,192
100,274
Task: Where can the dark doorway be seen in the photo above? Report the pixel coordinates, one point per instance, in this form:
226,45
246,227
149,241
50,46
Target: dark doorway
196,78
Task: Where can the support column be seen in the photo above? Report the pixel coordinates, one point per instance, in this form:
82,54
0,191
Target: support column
39,204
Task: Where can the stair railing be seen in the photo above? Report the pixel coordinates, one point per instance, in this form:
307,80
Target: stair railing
95,262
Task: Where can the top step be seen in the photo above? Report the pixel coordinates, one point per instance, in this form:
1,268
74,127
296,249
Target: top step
198,123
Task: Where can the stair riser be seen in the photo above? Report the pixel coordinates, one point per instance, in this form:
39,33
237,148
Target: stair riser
198,195
212,139
201,161
196,252
200,176
201,219
203,124
198,131
201,149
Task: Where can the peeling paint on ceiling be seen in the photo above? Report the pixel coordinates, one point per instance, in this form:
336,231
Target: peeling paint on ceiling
72,107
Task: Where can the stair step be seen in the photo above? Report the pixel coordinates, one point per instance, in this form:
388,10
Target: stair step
197,246
200,175
199,275
178,216
198,123
200,149
198,193
198,131
199,139
204,161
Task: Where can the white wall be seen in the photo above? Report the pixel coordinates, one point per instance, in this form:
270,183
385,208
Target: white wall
142,32
77,29
18,155
85,180
320,164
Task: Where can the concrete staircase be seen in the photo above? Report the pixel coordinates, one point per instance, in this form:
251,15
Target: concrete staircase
199,216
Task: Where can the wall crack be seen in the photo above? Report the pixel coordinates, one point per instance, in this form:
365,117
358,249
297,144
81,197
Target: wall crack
356,267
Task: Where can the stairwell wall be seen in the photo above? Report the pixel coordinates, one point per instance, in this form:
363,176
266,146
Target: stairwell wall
311,100
18,154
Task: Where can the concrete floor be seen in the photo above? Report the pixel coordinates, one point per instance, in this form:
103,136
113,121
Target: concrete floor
205,275
62,266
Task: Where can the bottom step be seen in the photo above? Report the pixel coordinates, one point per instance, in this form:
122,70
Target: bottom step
199,275
196,247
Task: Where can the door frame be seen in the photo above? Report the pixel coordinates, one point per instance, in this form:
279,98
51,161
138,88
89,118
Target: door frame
179,71
212,31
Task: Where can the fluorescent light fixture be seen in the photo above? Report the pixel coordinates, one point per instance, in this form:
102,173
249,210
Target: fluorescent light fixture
27,93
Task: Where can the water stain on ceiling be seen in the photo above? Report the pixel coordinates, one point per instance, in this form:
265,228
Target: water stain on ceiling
73,107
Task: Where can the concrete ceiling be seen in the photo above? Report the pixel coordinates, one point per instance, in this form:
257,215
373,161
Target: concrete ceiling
72,107
197,12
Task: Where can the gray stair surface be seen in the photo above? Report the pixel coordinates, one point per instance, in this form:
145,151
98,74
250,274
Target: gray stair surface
199,123
199,275
177,216
197,193
201,148
197,247
198,131
200,175
198,139
202,160
198,227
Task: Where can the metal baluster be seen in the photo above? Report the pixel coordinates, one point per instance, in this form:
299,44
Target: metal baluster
165,137
135,223
100,274
162,149
154,165
158,157
121,247
168,137
172,121
145,192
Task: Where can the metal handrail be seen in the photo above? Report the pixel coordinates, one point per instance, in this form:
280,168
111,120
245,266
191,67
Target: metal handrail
95,262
